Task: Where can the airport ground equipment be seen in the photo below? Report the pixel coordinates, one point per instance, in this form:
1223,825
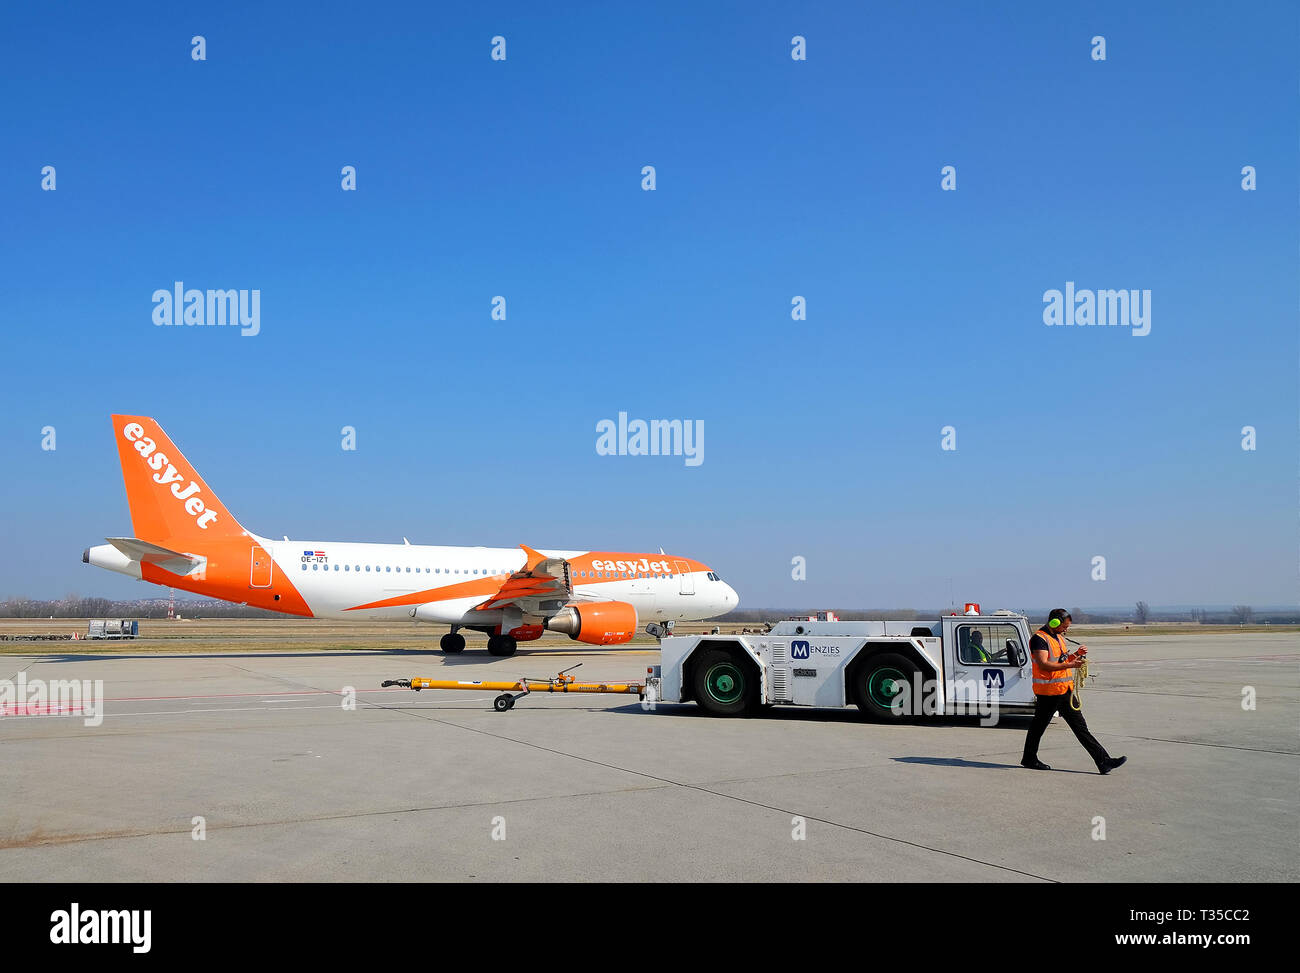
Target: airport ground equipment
952,665
512,692
113,628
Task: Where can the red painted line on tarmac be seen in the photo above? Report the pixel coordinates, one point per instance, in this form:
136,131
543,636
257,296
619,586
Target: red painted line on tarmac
317,692
39,709
263,695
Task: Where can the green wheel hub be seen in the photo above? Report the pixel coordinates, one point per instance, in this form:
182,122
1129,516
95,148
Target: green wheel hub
725,682
882,685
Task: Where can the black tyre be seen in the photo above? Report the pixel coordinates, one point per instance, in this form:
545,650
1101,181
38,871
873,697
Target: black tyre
724,684
503,703
452,644
501,645
874,686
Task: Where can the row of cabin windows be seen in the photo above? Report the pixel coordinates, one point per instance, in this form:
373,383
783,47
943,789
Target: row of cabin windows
316,566
389,569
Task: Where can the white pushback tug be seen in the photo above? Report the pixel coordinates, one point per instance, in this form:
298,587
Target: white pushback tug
949,666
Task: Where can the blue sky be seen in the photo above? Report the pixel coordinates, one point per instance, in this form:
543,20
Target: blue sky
775,178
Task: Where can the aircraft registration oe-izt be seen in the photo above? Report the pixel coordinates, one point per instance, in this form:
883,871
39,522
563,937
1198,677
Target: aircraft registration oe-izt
185,538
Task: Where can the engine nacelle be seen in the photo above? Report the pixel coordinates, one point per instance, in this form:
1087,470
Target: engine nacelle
597,623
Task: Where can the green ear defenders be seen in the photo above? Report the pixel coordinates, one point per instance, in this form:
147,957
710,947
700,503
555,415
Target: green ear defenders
1054,623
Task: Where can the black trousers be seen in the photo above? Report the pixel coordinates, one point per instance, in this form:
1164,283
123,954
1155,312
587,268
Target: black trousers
1044,707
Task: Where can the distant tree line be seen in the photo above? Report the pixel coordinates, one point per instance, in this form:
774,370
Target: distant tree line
1142,615
75,606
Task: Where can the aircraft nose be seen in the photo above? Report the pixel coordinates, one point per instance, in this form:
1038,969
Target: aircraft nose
730,599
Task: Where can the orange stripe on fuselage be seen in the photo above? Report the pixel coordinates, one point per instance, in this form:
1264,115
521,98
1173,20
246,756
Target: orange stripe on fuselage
462,589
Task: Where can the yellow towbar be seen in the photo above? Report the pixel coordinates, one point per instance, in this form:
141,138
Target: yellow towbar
511,692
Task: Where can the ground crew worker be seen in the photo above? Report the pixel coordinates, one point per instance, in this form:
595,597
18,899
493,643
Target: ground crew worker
1053,682
976,647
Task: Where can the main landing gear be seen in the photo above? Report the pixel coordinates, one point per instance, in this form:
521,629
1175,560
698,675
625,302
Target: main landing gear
502,645
453,643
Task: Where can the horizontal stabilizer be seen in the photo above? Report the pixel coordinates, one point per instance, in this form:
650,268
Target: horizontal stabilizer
146,553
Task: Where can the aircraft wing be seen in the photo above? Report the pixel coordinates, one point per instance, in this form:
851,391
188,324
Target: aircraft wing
541,579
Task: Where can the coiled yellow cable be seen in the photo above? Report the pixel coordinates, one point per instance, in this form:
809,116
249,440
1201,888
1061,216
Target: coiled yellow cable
1080,676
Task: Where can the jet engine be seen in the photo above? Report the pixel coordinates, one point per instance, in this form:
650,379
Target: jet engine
596,623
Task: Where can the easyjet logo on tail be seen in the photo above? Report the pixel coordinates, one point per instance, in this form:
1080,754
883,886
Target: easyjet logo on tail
166,475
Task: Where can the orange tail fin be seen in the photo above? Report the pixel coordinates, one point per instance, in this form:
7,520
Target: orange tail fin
170,504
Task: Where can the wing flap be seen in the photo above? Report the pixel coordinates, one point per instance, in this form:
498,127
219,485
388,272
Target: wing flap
541,578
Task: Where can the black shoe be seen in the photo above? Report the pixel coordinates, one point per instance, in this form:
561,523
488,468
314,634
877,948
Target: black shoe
1110,764
1034,765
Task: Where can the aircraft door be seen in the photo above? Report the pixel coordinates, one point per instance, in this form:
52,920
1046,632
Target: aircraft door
260,570
687,579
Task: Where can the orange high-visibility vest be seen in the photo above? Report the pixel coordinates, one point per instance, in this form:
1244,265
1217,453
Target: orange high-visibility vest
1056,681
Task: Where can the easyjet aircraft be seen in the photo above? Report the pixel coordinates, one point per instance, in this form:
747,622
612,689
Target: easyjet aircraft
184,538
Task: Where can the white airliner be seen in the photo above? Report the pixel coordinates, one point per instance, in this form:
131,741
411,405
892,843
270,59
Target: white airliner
185,538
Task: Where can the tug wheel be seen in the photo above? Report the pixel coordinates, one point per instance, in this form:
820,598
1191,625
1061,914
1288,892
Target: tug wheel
875,686
724,684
